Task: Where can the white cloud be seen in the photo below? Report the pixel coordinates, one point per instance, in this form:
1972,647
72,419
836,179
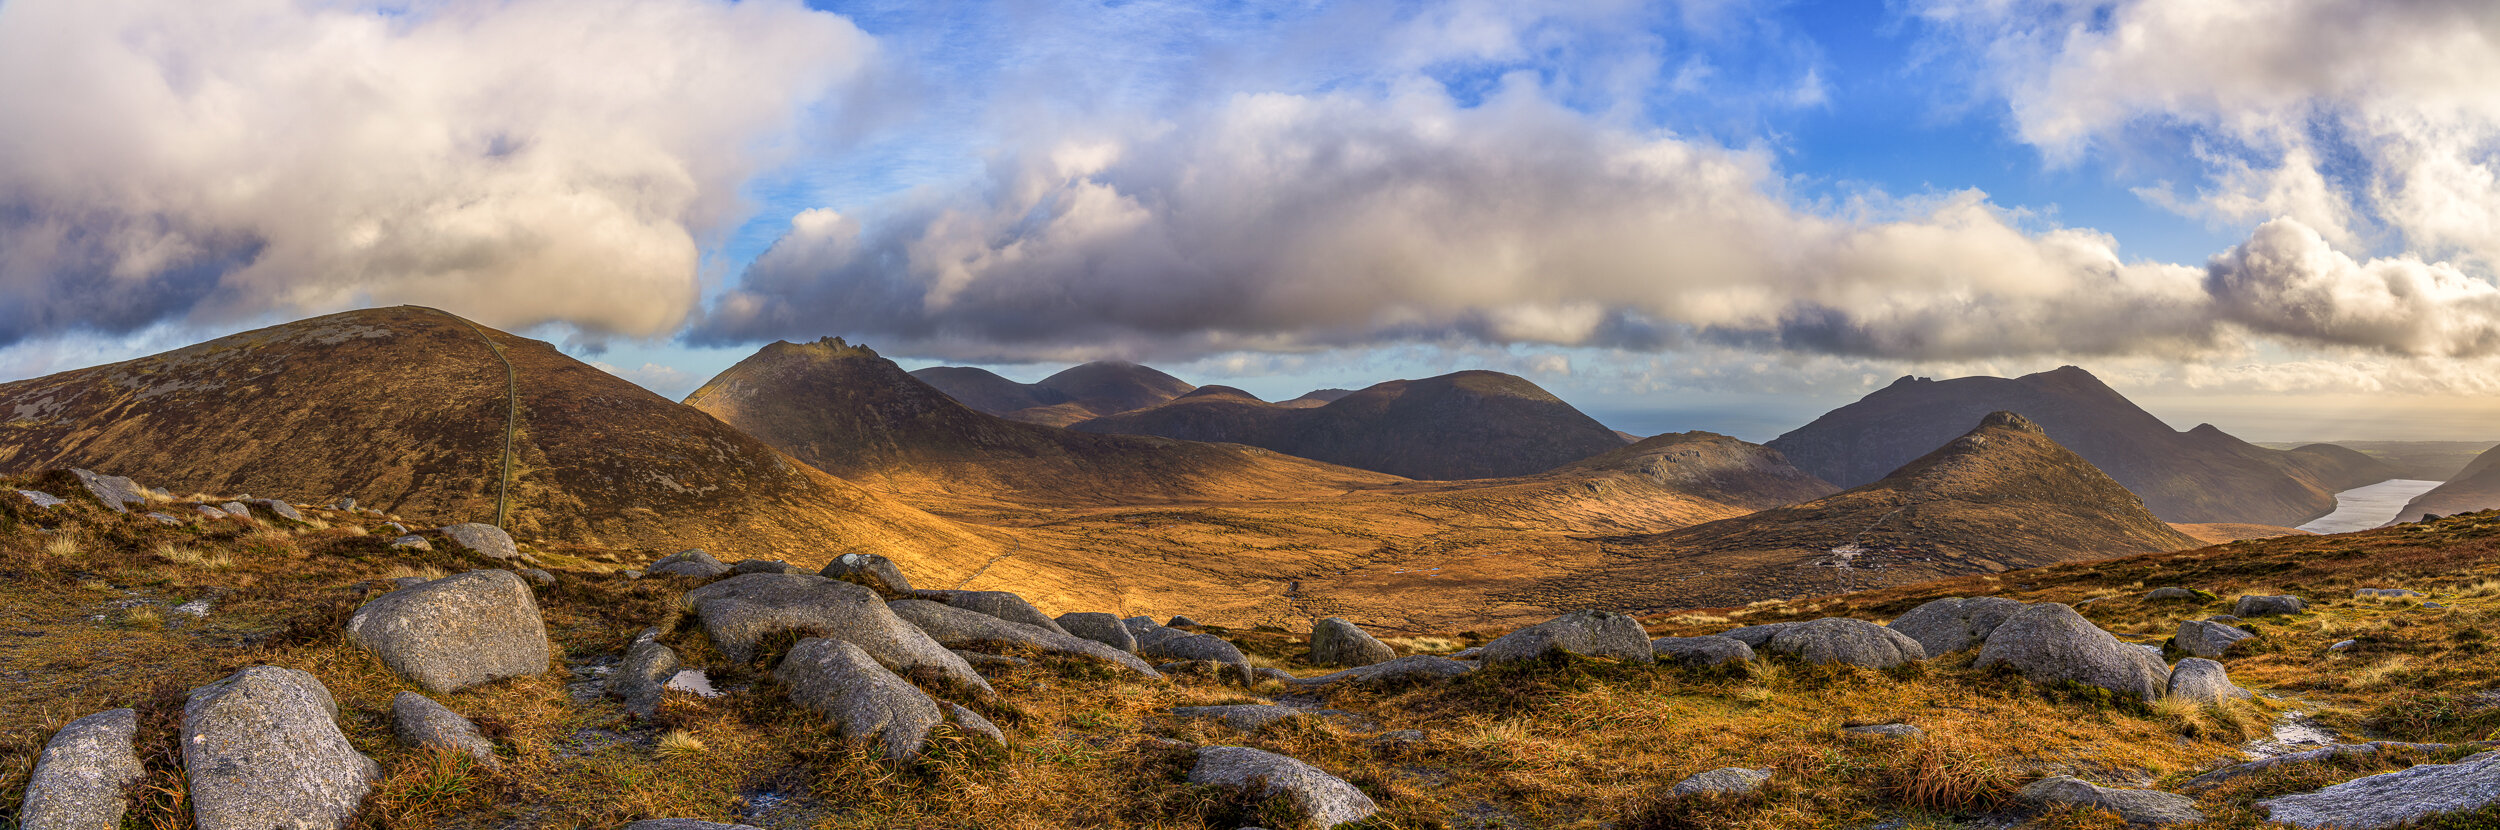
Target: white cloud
517,161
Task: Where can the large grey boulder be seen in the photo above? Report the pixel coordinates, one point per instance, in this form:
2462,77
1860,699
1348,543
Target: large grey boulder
741,611
2323,754
2208,639
765,566
1335,642
1206,647
1843,640
2135,806
2049,642
1324,799
79,781
418,721
866,703
1099,627
2265,606
1711,650
1000,604
1722,781
1148,632
455,632
1951,624
1586,633
2394,798
689,562
113,491
483,539
876,573
281,509
960,628
1412,667
2203,681
641,679
262,750
1757,636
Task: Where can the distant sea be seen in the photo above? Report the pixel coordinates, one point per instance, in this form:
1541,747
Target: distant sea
2362,508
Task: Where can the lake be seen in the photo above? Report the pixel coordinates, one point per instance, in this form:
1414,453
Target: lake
2362,508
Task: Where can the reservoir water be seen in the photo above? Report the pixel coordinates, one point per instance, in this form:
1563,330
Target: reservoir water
2362,508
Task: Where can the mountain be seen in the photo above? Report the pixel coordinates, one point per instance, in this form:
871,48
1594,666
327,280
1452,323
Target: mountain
404,410
1090,390
2200,476
1465,425
2003,496
2416,460
850,412
2477,487
1316,398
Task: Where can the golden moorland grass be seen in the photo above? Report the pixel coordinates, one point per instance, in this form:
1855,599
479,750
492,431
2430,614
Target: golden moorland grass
1560,742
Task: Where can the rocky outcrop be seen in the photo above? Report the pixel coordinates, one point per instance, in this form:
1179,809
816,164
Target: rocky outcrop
455,632
1585,633
112,491
482,539
866,703
1336,642
2049,642
959,628
262,749
80,780
2135,806
868,570
1951,624
418,721
1000,604
1701,651
1099,627
1323,799
2208,639
2395,798
738,613
1847,641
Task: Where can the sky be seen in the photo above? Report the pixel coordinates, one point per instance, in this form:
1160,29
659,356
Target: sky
2279,216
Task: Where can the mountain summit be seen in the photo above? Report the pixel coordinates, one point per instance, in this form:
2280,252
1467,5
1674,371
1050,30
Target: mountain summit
1091,390
2202,475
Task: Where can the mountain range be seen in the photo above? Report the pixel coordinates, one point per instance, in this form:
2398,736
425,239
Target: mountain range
2477,487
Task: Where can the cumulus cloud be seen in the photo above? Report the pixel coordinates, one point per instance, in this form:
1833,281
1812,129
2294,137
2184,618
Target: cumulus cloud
1294,222
519,161
2348,115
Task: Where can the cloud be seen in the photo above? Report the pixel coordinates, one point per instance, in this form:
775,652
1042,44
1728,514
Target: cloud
2348,115
517,161
1299,222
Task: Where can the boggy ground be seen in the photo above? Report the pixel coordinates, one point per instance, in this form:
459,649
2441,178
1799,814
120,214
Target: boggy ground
88,621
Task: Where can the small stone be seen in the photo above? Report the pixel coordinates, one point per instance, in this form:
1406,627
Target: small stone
538,577
164,518
418,721
2341,645
2208,639
2264,606
2135,806
1722,781
282,509
237,509
1180,622
2170,593
211,513
874,572
685,824
642,679
1757,636
411,543
2203,681
112,491
1323,799
690,562
1244,717
483,539
2384,593
42,499
1710,650
1886,730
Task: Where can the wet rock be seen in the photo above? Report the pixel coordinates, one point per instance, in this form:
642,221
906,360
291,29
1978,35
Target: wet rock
2203,681
2394,798
1415,667
689,562
418,721
738,613
455,632
1322,798
482,539
968,629
1099,627
2135,806
1843,640
1586,633
1336,642
80,780
2208,639
1951,624
2048,642
1709,650
1722,781
262,749
2266,606
876,573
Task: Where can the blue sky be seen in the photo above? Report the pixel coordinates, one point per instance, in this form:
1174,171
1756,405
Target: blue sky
1705,214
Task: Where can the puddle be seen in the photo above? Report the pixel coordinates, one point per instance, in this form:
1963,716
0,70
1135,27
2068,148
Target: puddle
2295,732
693,680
